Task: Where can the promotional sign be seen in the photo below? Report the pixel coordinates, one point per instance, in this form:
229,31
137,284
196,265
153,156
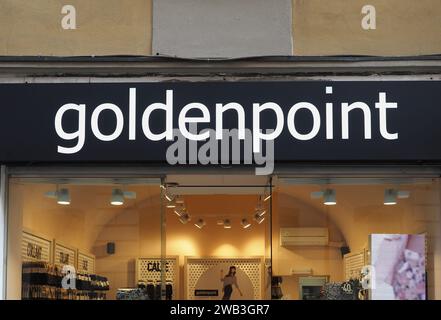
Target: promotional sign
399,267
207,122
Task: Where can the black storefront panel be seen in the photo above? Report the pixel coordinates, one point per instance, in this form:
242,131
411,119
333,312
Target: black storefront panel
314,121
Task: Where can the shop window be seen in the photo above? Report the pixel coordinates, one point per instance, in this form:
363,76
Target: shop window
371,238
80,239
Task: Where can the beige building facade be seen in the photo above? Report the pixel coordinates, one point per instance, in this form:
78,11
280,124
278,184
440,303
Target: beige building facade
200,29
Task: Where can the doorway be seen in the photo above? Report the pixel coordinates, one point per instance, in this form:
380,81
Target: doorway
213,223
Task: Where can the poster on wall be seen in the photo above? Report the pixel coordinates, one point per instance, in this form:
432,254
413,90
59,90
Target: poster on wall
399,264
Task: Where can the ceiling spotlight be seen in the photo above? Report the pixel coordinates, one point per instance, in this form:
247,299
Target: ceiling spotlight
185,218
260,209
200,223
245,223
167,191
179,200
260,213
169,196
259,219
328,195
171,205
227,224
62,196
180,210
118,196
267,198
391,196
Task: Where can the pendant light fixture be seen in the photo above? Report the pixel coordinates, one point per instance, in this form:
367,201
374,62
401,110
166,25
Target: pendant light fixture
118,196
391,196
329,196
61,195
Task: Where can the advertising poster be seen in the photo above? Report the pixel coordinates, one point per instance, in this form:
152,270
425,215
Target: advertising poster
399,264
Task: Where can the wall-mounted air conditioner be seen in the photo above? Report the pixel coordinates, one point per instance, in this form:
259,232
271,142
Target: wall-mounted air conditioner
304,237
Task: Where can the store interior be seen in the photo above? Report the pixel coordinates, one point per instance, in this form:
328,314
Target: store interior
201,225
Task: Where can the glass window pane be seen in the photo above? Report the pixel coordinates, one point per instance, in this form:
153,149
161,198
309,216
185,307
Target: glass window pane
100,227
333,227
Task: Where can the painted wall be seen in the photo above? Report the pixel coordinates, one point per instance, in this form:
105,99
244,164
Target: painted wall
222,29
291,210
403,27
103,27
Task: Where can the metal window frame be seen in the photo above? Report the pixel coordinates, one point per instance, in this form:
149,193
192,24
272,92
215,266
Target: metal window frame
3,231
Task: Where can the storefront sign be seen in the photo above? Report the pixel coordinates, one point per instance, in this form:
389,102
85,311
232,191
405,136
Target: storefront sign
35,248
63,258
34,251
156,266
64,255
296,121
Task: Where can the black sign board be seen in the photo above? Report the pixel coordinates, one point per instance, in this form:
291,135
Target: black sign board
134,122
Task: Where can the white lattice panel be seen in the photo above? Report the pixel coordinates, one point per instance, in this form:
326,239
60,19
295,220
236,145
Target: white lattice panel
150,269
196,267
353,263
64,255
35,248
86,263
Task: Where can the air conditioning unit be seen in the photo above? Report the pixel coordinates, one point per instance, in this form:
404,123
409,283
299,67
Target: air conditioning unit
304,237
